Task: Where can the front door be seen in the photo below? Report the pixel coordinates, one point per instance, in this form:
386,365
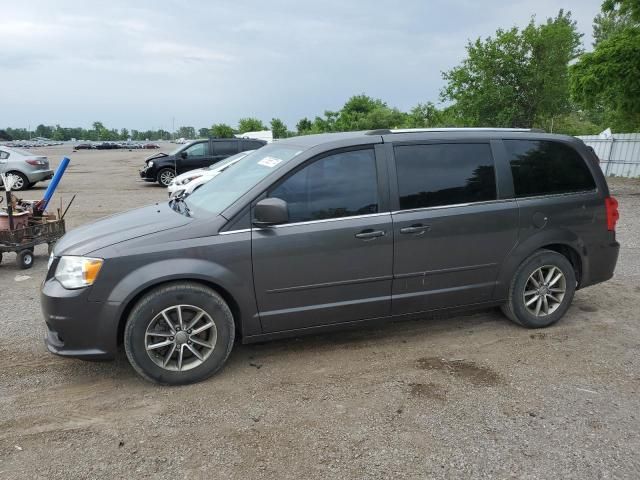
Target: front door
451,231
196,156
332,262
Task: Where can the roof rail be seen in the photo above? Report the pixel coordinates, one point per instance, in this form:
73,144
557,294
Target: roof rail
387,131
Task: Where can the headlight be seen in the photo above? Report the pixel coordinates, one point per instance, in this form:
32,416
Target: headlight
150,163
78,272
188,179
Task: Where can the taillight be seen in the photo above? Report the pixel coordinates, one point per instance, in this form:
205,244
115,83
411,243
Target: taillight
35,163
611,206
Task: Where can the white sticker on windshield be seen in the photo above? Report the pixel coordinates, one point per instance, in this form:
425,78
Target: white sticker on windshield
269,162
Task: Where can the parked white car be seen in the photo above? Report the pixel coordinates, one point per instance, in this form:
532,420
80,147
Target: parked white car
188,182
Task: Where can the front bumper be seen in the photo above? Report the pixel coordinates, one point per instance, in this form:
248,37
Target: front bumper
76,326
39,175
148,174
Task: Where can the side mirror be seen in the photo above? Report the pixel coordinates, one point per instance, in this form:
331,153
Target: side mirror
270,211
184,154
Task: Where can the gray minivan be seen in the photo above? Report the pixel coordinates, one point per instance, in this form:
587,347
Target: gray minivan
328,231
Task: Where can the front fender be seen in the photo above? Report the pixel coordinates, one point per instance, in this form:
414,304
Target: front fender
163,271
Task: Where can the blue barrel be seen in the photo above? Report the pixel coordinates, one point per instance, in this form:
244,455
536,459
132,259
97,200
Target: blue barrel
54,183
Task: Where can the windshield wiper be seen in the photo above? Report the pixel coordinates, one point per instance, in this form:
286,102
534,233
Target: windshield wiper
180,206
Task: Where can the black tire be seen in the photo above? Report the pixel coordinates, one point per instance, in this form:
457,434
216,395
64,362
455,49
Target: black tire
24,183
150,306
164,176
0,257
24,259
516,310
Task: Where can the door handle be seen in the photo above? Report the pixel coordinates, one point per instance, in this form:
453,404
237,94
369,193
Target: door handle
370,234
418,228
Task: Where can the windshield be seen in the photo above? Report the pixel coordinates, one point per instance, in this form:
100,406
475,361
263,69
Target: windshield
177,150
227,187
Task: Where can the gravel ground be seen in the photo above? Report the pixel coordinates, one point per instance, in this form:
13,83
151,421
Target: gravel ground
471,396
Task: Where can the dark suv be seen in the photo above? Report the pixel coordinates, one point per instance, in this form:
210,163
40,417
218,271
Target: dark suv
163,168
320,232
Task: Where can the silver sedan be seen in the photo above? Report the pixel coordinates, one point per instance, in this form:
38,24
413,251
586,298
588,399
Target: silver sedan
26,168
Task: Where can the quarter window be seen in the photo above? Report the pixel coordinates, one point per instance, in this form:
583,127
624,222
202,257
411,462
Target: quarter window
339,185
542,167
444,174
4,155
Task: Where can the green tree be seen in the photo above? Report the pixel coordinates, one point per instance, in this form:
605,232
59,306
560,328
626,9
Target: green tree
186,132
222,130
424,115
608,23
624,7
203,132
250,124
304,126
607,78
43,131
278,128
517,78
59,134
124,134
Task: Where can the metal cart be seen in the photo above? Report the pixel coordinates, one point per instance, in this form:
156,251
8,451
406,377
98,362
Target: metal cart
23,240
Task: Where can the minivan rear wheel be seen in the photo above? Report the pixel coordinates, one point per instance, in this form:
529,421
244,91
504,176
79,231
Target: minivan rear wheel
541,290
179,333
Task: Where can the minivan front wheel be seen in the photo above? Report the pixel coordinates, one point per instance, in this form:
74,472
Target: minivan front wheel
165,176
541,290
179,333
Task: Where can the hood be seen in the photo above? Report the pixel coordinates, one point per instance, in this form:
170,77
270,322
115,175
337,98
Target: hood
190,173
119,228
155,155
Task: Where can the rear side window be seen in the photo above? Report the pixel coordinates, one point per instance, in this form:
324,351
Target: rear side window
340,185
542,167
444,174
251,145
4,155
225,148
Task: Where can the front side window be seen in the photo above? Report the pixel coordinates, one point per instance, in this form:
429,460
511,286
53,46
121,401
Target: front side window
224,189
339,185
197,150
444,174
542,167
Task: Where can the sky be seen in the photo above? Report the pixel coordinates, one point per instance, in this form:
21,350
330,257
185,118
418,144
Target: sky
151,64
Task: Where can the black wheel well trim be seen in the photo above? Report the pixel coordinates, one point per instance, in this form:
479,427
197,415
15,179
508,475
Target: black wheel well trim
571,254
227,297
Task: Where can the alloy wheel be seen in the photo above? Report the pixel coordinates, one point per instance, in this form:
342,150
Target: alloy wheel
544,291
181,337
17,181
166,177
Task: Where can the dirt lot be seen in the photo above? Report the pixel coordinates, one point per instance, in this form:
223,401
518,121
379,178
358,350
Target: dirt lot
466,397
